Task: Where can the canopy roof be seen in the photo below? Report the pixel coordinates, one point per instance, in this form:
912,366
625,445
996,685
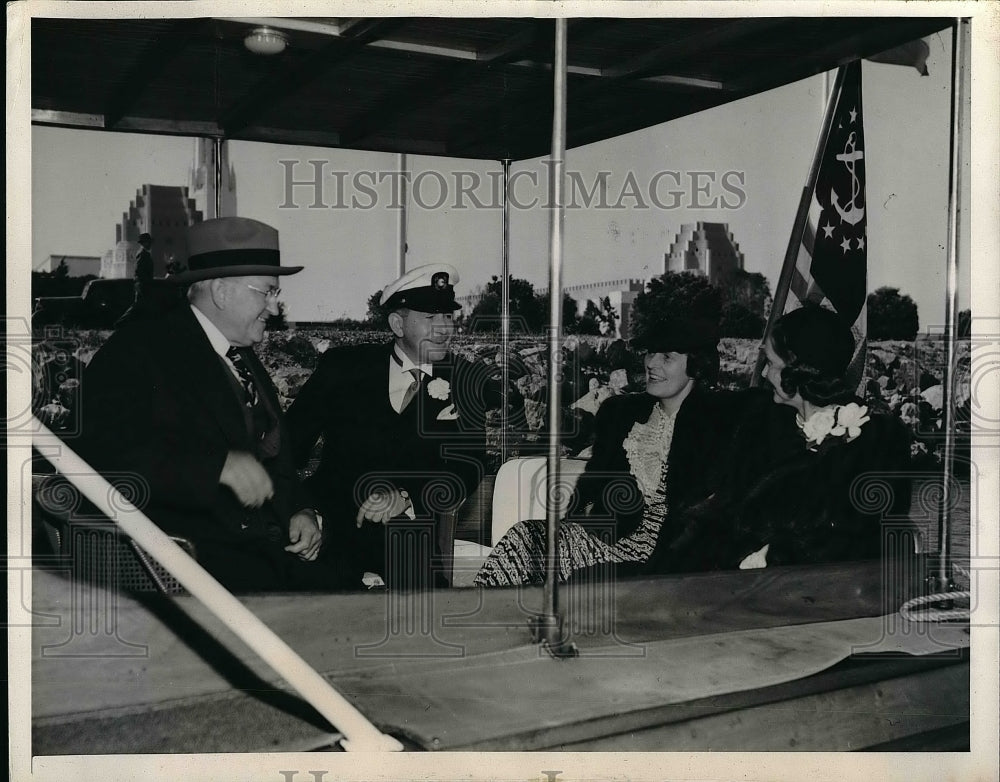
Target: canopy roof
474,88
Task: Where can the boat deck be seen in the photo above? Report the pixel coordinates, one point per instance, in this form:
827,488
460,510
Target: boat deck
786,658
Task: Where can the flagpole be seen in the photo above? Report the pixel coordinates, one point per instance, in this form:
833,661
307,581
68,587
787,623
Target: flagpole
941,578
799,226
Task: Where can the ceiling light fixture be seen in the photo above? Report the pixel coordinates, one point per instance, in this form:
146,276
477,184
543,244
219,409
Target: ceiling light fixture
265,40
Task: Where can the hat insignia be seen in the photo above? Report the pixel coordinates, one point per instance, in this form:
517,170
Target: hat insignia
439,281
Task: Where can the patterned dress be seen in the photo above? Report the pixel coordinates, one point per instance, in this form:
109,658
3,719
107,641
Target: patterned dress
519,556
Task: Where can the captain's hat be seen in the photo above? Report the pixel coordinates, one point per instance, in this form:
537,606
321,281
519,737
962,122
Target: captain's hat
427,288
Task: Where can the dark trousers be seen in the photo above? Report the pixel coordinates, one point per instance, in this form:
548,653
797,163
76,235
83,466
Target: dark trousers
404,552
262,566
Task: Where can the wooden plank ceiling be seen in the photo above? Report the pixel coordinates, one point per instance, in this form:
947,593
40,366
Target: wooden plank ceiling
475,88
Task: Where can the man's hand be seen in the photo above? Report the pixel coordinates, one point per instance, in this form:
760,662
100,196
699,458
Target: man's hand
383,505
247,478
305,535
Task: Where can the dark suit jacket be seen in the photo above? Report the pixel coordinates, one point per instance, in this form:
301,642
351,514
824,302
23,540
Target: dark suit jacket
366,443
702,430
160,404
826,504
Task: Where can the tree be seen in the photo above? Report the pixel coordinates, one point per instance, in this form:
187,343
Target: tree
746,302
609,317
750,290
376,317
570,319
590,321
739,321
892,315
673,293
525,307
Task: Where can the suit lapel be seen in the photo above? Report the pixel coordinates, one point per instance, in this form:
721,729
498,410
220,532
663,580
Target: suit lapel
200,373
268,393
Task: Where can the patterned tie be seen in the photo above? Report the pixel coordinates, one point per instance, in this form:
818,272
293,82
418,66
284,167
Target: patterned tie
250,397
414,386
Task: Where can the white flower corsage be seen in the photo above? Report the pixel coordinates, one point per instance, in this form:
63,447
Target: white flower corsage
818,425
439,388
850,418
835,421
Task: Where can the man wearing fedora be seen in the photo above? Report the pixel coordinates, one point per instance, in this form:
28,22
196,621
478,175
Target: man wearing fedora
402,428
183,402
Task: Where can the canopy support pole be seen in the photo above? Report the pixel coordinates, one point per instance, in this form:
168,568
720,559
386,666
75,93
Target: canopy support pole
941,579
505,316
401,220
548,626
217,175
359,734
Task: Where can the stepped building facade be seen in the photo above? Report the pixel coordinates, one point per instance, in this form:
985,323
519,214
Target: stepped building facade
162,211
705,248
166,211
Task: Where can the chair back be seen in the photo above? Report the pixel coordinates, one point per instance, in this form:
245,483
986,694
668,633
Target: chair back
97,551
521,490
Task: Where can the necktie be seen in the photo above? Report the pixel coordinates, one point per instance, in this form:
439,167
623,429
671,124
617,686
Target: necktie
250,397
411,391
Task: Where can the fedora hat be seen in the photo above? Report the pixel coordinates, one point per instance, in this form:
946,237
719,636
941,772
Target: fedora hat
232,247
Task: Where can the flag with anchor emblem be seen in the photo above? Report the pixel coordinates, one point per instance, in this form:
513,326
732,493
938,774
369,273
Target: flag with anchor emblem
832,263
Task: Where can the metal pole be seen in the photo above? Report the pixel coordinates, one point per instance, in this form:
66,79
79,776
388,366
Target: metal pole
359,733
798,227
217,174
505,315
549,625
401,224
942,575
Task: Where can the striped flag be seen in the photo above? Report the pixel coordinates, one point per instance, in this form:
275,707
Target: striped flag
832,263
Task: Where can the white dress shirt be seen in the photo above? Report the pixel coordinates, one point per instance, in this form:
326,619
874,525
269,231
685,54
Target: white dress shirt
218,341
400,377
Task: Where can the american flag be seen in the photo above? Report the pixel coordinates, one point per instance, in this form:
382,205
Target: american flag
832,263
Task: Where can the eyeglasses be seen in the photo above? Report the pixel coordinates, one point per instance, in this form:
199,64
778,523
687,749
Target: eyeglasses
271,294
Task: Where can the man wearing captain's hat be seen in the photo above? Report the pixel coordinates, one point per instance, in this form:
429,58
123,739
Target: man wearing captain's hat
183,402
395,448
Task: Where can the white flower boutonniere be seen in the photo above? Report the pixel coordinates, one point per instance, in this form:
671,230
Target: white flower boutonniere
439,388
835,421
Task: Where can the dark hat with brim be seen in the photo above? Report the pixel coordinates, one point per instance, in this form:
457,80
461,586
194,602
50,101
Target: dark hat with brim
427,288
232,247
677,335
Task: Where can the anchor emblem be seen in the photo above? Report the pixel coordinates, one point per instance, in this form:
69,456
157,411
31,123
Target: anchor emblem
849,158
